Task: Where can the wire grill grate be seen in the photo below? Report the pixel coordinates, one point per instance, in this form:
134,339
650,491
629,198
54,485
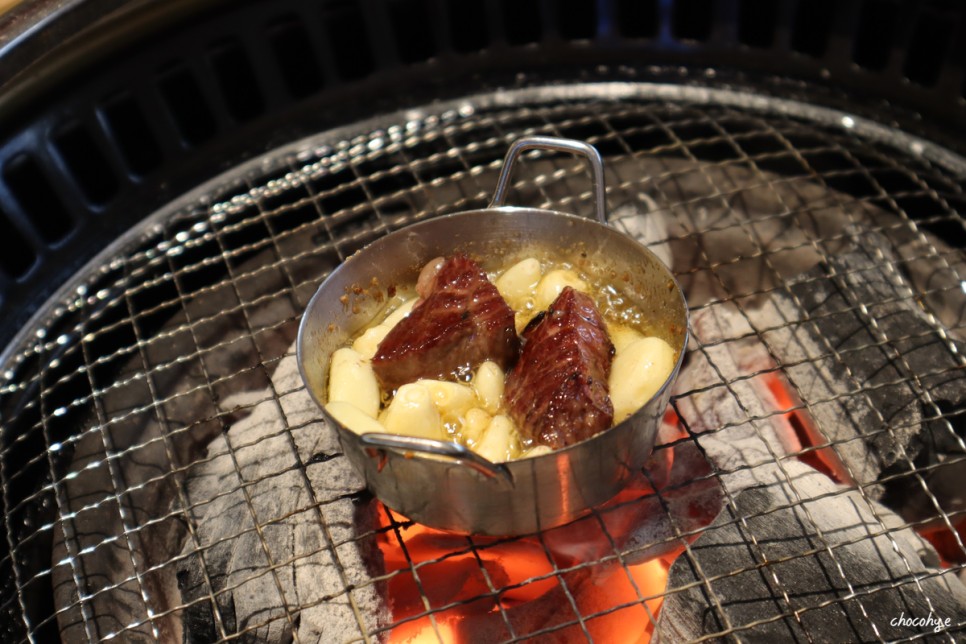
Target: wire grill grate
115,402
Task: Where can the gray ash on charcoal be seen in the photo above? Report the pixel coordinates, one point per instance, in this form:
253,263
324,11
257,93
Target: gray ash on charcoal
913,385
208,399
902,363
875,366
791,548
278,528
126,512
812,273
767,296
940,463
795,574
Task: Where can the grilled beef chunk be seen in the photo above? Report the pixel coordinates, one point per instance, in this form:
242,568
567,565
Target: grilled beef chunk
461,322
557,394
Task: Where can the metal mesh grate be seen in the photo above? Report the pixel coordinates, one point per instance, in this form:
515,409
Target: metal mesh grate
161,472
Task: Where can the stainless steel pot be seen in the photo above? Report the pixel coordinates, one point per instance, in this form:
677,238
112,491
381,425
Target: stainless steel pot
445,485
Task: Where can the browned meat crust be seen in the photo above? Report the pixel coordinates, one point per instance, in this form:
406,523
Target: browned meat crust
557,394
461,322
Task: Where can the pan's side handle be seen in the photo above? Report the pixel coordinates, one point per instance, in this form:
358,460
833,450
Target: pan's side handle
560,145
455,451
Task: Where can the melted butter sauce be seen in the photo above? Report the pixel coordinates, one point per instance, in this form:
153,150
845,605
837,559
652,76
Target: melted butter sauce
610,292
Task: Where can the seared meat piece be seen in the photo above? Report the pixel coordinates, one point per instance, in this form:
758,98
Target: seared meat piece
557,394
461,322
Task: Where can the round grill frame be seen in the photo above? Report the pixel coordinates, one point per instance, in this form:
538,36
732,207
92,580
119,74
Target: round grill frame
287,168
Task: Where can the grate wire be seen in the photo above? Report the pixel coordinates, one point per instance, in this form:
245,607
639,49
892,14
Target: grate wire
262,245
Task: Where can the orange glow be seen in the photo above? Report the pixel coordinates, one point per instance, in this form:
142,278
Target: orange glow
596,594
802,432
421,631
632,624
943,540
449,571
455,576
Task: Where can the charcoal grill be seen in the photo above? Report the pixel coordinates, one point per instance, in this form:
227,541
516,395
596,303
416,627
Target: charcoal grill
165,477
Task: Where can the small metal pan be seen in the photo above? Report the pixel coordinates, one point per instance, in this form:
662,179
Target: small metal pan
445,485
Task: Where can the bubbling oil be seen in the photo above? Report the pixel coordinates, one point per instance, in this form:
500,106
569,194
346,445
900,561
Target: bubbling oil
452,409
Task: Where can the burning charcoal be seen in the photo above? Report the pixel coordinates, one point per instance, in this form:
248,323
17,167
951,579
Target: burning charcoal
461,322
859,309
842,355
933,268
737,231
739,430
689,500
264,546
907,367
730,411
643,524
557,394
808,546
941,466
145,450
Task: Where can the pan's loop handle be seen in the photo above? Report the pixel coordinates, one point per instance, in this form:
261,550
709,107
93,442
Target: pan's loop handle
560,145
455,451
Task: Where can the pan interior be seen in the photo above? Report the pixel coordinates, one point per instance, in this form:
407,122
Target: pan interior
359,291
